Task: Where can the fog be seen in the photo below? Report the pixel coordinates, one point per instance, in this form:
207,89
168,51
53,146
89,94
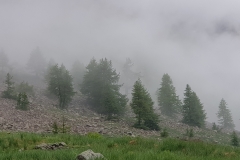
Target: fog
195,42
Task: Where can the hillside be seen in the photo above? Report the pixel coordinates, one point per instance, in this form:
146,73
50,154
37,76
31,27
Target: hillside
43,112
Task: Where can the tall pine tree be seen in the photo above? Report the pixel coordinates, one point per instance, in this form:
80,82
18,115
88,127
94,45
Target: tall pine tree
100,85
224,116
9,92
192,109
142,106
167,99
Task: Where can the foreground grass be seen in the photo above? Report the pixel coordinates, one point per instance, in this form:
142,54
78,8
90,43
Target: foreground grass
19,146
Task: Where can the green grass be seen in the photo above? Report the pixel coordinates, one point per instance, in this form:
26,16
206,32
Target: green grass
19,146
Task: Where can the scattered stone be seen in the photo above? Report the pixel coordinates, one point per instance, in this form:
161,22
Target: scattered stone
89,155
48,146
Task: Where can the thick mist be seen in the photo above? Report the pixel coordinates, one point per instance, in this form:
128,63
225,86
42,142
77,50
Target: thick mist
195,42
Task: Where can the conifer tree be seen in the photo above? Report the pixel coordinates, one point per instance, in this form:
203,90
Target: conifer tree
9,92
224,116
234,140
192,110
142,106
59,83
199,115
167,99
22,101
186,108
100,85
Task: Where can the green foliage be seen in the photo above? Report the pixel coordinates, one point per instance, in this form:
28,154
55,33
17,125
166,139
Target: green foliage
94,135
24,87
100,85
55,128
234,140
59,83
224,116
142,106
189,132
164,133
192,110
9,92
167,99
62,128
113,148
22,101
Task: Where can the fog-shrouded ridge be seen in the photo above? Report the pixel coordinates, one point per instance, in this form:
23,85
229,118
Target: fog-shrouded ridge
195,42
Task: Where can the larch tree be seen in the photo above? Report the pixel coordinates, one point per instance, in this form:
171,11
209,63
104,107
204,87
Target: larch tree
100,85
192,109
168,101
59,83
142,106
22,101
9,92
224,116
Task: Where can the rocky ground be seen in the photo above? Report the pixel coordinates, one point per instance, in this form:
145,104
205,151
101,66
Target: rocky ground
43,112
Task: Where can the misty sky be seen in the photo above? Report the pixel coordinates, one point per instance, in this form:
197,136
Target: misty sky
195,42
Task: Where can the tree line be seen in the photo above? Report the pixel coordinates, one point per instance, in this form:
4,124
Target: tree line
99,83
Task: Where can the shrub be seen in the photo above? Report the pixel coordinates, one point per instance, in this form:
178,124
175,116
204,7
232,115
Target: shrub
63,128
94,135
164,133
189,132
216,127
55,128
140,126
152,124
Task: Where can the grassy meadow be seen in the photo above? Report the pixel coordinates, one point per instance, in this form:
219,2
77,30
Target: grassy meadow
20,146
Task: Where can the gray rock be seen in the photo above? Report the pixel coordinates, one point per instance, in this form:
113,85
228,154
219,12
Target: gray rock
41,146
89,155
45,146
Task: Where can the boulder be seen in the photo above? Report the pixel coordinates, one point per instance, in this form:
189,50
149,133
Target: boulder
89,155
